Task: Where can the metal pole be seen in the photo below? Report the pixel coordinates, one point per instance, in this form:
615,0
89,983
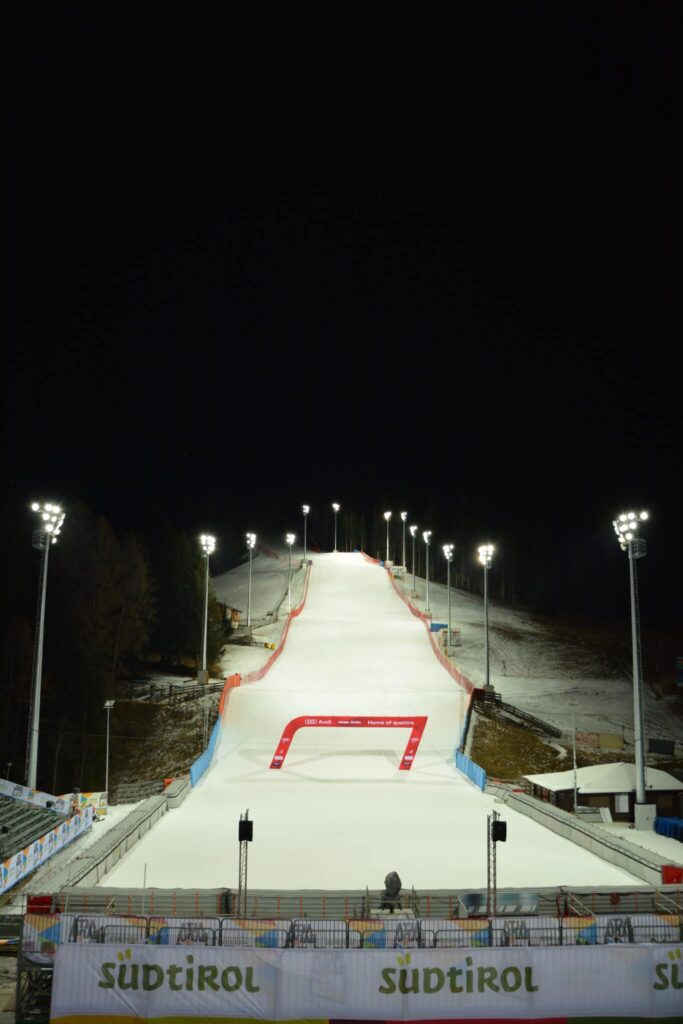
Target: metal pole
106,769
289,582
574,760
387,540
335,530
206,619
637,693
448,584
414,591
38,674
427,572
486,622
249,590
305,559
404,542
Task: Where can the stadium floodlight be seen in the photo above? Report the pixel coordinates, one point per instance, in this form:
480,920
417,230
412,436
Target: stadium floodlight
404,517
413,533
208,544
51,519
427,537
335,509
486,557
108,705
305,509
251,544
626,528
387,516
448,555
290,538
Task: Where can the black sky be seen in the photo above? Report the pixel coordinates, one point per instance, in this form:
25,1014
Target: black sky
365,258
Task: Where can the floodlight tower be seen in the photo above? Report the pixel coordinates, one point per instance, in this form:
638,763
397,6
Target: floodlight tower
251,544
448,555
208,544
486,557
626,528
305,509
404,517
413,533
51,520
335,509
427,537
290,538
387,516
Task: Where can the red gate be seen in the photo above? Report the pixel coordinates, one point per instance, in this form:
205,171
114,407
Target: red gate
415,724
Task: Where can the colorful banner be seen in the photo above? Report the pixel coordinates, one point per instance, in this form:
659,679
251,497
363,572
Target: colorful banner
32,856
98,802
154,982
416,724
35,796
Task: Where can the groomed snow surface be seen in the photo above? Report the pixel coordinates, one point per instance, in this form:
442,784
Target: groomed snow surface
339,814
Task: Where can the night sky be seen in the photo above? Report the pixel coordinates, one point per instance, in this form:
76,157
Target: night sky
382,259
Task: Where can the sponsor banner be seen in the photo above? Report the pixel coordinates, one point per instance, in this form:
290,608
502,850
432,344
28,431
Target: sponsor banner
154,982
415,723
42,934
34,796
32,856
98,802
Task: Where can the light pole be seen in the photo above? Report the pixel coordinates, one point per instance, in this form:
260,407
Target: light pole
305,509
51,519
208,544
485,557
413,532
626,528
335,509
448,555
404,516
108,705
427,537
387,516
251,543
290,538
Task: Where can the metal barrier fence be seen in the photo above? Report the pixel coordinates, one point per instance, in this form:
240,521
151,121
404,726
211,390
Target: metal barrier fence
40,939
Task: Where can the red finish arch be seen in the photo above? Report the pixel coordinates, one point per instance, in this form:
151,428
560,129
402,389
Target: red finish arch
415,723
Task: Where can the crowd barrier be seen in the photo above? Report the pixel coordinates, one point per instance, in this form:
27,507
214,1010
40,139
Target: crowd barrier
471,770
43,933
202,763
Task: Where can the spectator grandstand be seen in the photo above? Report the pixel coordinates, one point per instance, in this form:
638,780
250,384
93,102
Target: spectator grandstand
22,824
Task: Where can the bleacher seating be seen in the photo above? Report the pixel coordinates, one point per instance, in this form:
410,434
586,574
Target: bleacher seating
21,824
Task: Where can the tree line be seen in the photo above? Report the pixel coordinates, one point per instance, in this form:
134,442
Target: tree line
115,605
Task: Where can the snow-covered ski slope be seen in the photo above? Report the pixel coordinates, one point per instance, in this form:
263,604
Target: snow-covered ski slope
340,814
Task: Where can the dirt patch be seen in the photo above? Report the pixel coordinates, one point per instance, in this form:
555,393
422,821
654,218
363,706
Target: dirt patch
150,742
509,751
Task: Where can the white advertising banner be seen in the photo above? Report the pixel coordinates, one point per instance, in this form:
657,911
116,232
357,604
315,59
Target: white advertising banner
104,982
